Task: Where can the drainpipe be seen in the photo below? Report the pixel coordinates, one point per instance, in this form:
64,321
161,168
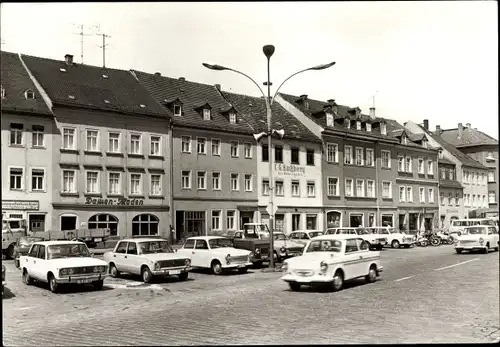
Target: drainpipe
171,180
379,196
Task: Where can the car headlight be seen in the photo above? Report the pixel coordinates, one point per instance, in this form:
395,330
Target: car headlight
250,257
284,267
187,262
228,259
97,269
63,272
283,250
257,250
323,266
157,266
481,241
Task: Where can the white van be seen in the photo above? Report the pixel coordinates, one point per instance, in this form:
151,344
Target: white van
457,225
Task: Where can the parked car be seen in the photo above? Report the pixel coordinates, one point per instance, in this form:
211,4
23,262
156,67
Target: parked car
481,237
3,277
23,246
147,257
374,241
216,253
331,260
283,247
62,262
393,237
303,236
250,239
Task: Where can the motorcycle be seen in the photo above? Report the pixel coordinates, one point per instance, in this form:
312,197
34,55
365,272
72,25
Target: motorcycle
434,240
445,238
422,241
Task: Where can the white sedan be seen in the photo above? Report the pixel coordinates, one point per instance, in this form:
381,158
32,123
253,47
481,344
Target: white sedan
216,253
480,237
374,240
331,260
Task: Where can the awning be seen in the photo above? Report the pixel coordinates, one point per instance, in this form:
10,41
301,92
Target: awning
247,208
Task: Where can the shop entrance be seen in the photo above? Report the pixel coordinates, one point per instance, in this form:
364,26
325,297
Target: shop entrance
355,220
245,217
36,222
189,224
428,224
333,219
68,223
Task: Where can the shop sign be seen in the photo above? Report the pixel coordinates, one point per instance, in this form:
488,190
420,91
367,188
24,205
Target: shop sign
289,170
452,210
20,205
114,202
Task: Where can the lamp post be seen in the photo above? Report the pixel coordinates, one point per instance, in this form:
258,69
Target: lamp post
268,52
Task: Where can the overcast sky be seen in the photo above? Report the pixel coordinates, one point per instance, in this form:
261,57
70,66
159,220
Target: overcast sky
434,60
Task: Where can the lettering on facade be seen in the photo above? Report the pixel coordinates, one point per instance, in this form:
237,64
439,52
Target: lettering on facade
20,205
452,210
289,170
115,202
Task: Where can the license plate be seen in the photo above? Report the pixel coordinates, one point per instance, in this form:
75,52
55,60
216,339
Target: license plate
175,272
98,239
83,281
241,265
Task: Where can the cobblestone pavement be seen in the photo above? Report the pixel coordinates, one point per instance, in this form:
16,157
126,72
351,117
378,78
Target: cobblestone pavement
424,295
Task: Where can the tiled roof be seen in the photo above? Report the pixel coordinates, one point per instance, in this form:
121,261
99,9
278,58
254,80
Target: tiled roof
450,184
16,81
470,137
92,87
192,95
395,129
253,109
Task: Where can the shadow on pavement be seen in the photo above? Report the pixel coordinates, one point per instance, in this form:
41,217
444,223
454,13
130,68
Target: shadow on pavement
7,294
156,279
225,273
71,288
327,289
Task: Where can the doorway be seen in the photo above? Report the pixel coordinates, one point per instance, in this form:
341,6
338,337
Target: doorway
245,217
356,220
36,222
194,223
295,222
333,219
68,223
179,225
428,224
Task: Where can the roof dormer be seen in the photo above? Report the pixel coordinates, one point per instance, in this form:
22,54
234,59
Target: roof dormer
383,127
303,101
29,94
231,114
175,105
404,139
205,111
330,119
2,92
347,123
358,125
368,127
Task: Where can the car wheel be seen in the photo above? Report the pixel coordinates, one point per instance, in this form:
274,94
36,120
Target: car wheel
10,252
243,270
380,247
372,274
146,274
395,244
114,271
294,286
98,284
53,285
338,281
17,263
458,250
258,264
277,258
183,276
27,279
216,267
485,251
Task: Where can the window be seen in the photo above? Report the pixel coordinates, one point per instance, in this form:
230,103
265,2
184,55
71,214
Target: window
231,218
332,153
235,149
360,188
114,186
383,128
215,147
265,152
177,110
409,194
216,224
279,188
135,184
402,195
386,159
145,224
441,197
451,174
248,183
186,144
135,144
408,164
155,145
348,155
295,155
430,193
347,123
450,198
370,188
457,199
311,189
201,145
232,118
421,194
295,188
348,187
483,180
265,187
16,178
216,181
311,222
92,140
29,94
2,92
37,136
92,182
430,167
186,179
278,154
333,186
358,125
492,197
16,134
485,204
247,149
443,173
206,114
359,156
37,179
69,181
235,181
114,142
491,176
370,160
202,180
329,120
351,245
189,244
401,163
386,190
368,127
155,188
104,221
421,169
310,156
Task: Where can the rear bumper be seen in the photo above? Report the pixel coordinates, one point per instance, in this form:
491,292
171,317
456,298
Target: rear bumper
236,265
171,271
88,278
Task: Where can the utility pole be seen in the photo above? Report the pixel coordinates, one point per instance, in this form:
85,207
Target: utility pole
103,47
82,34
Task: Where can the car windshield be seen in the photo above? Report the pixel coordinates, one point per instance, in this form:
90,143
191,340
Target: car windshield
279,236
251,232
363,231
68,250
149,247
28,241
220,243
315,233
324,246
475,231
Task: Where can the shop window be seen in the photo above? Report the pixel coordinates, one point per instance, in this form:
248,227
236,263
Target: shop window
99,221
145,224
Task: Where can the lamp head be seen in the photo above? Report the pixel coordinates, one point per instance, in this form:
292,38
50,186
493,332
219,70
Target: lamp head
280,133
214,67
322,66
268,50
257,137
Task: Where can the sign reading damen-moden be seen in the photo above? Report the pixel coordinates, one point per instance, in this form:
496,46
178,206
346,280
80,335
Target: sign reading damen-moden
116,202
289,170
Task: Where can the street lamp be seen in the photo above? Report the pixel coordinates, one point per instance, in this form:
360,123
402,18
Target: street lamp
268,52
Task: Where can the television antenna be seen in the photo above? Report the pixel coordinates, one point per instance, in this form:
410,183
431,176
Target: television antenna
103,47
82,33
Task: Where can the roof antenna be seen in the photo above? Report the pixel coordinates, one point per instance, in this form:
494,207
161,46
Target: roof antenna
103,47
82,34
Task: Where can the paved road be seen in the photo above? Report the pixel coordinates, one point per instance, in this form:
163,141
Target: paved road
424,295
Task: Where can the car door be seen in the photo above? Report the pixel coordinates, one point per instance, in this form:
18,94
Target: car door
200,254
119,256
493,235
132,261
353,258
41,263
187,250
30,260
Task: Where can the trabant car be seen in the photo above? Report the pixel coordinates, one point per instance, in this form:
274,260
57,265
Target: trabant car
62,262
303,236
147,257
331,260
216,253
374,241
457,225
393,237
481,237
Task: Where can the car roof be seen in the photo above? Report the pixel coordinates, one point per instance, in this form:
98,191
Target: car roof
51,243
206,238
142,239
307,231
336,237
254,224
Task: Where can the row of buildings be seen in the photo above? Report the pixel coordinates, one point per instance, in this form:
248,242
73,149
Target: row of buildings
144,154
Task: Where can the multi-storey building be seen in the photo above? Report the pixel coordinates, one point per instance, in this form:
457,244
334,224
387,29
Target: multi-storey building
469,173
214,171
484,149
296,165
28,130
111,149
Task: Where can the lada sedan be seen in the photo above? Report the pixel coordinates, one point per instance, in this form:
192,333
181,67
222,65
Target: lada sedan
216,253
374,241
393,237
331,260
478,238
62,262
147,257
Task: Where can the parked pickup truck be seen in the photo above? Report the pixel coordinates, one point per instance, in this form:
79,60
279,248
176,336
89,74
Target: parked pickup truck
89,236
249,239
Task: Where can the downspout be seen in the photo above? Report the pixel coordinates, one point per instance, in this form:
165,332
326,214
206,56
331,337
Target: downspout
378,221
171,181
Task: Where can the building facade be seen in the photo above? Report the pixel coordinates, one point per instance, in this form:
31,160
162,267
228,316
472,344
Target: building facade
111,150
451,193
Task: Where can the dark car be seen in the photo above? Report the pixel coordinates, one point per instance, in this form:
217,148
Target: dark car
23,246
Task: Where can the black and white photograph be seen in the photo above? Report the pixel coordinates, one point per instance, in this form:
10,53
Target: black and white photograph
249,173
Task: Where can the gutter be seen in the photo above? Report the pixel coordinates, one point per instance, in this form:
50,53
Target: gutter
171,178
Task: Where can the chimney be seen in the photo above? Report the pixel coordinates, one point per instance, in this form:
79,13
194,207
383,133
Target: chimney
69,59
331,101
426,124
467,125
438,130
157,73
303,97
460,130
372,112
182,78
218,87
